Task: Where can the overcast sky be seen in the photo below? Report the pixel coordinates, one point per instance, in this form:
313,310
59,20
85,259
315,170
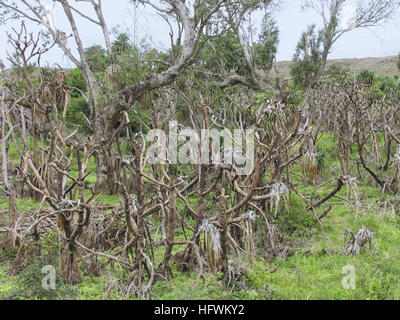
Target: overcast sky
377,42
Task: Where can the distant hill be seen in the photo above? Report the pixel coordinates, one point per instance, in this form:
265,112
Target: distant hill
385,65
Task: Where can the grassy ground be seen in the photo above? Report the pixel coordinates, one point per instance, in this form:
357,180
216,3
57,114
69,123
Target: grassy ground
319,273
383,65
315,271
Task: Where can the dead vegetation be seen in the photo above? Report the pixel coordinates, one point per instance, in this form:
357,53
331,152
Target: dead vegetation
226,218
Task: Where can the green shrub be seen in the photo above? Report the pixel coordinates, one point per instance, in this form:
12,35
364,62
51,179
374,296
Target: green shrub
76,80
258,284
298,221
29,283
9,252
336,72
74,112
366,77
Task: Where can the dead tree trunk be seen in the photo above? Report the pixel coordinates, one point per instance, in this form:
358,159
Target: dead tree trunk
171,223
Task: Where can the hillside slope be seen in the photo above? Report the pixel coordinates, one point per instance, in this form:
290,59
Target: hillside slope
383,65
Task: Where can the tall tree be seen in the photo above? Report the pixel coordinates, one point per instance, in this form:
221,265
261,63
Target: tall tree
105,109
267,45
237,56
307,58
368,13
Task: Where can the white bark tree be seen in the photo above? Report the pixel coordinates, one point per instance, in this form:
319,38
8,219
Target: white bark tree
237,17
6,131
191,17
366,14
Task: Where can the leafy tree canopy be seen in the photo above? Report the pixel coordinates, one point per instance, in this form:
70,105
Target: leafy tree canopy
307,58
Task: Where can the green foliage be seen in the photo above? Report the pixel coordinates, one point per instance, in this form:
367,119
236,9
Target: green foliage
258,286
75,110
308,58
96,56
263,96
93,288
24,204
298,221
8,252
398,61
384,85
366,77
76,80
326,147
267,46
22,81
295,97
225,49
28,283
136,124
135,61
121,45
78,103
7,283
336,72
